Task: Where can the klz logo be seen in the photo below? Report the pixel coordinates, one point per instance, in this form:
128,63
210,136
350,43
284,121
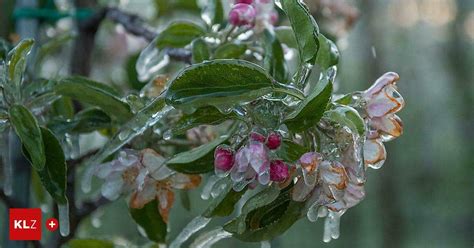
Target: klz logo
25,224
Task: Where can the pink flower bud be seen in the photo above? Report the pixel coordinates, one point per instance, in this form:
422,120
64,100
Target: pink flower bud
242,14
278,171
223,158
254,136
243,1
273,141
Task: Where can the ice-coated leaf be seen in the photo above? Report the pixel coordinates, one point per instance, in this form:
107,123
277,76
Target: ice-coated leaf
274,61
200,51
203,116
310,111
88,120
328,54
150,220
89,243
261,199
198,160
286,36
224,204
53,175
16,64
96,94
230,51
346,116
178,34
191,228
291,151
305,29
27,128
218,82
268,221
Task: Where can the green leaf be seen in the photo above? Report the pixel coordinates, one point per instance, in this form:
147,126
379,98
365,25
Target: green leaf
86,121
198,160
291,151
28,130
310,111
214,11
218,82
328,54
16,64
224,204
230,51
200,51
261,199
96,94
178,34
274,61
151,221
89,243
203,116
346,116
269,221
54,175
305,29
286,35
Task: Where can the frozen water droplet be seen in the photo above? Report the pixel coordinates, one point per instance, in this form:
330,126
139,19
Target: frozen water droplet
206,240
278,4
63,211
225,109
191,228
168,135
218,188
206,191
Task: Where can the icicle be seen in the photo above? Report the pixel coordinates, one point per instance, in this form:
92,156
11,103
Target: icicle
191,228
7,166
206,190
312,213
265,244
206,240
63,210
141,122
331,226
72,144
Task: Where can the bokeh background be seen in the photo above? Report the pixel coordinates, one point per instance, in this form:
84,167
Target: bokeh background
424,194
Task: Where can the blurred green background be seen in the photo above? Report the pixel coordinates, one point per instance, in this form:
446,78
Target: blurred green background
424,194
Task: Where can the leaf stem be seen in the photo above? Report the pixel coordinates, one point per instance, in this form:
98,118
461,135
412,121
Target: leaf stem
289,90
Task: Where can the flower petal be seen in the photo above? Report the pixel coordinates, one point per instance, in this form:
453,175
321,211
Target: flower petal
389,128
388,78
374,154
166,199
141,197
112,188
183,181
385,102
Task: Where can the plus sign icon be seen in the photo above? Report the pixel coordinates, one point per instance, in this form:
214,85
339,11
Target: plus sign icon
52,224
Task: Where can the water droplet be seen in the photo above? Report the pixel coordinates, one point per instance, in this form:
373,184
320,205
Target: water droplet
168,135
63,212
218,188
206,240
191,228
312,213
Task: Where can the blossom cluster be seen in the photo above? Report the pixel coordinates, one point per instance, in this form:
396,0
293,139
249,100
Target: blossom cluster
145,176
330,181
254,162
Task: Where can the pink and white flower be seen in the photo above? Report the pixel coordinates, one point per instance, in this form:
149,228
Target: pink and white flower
242,15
